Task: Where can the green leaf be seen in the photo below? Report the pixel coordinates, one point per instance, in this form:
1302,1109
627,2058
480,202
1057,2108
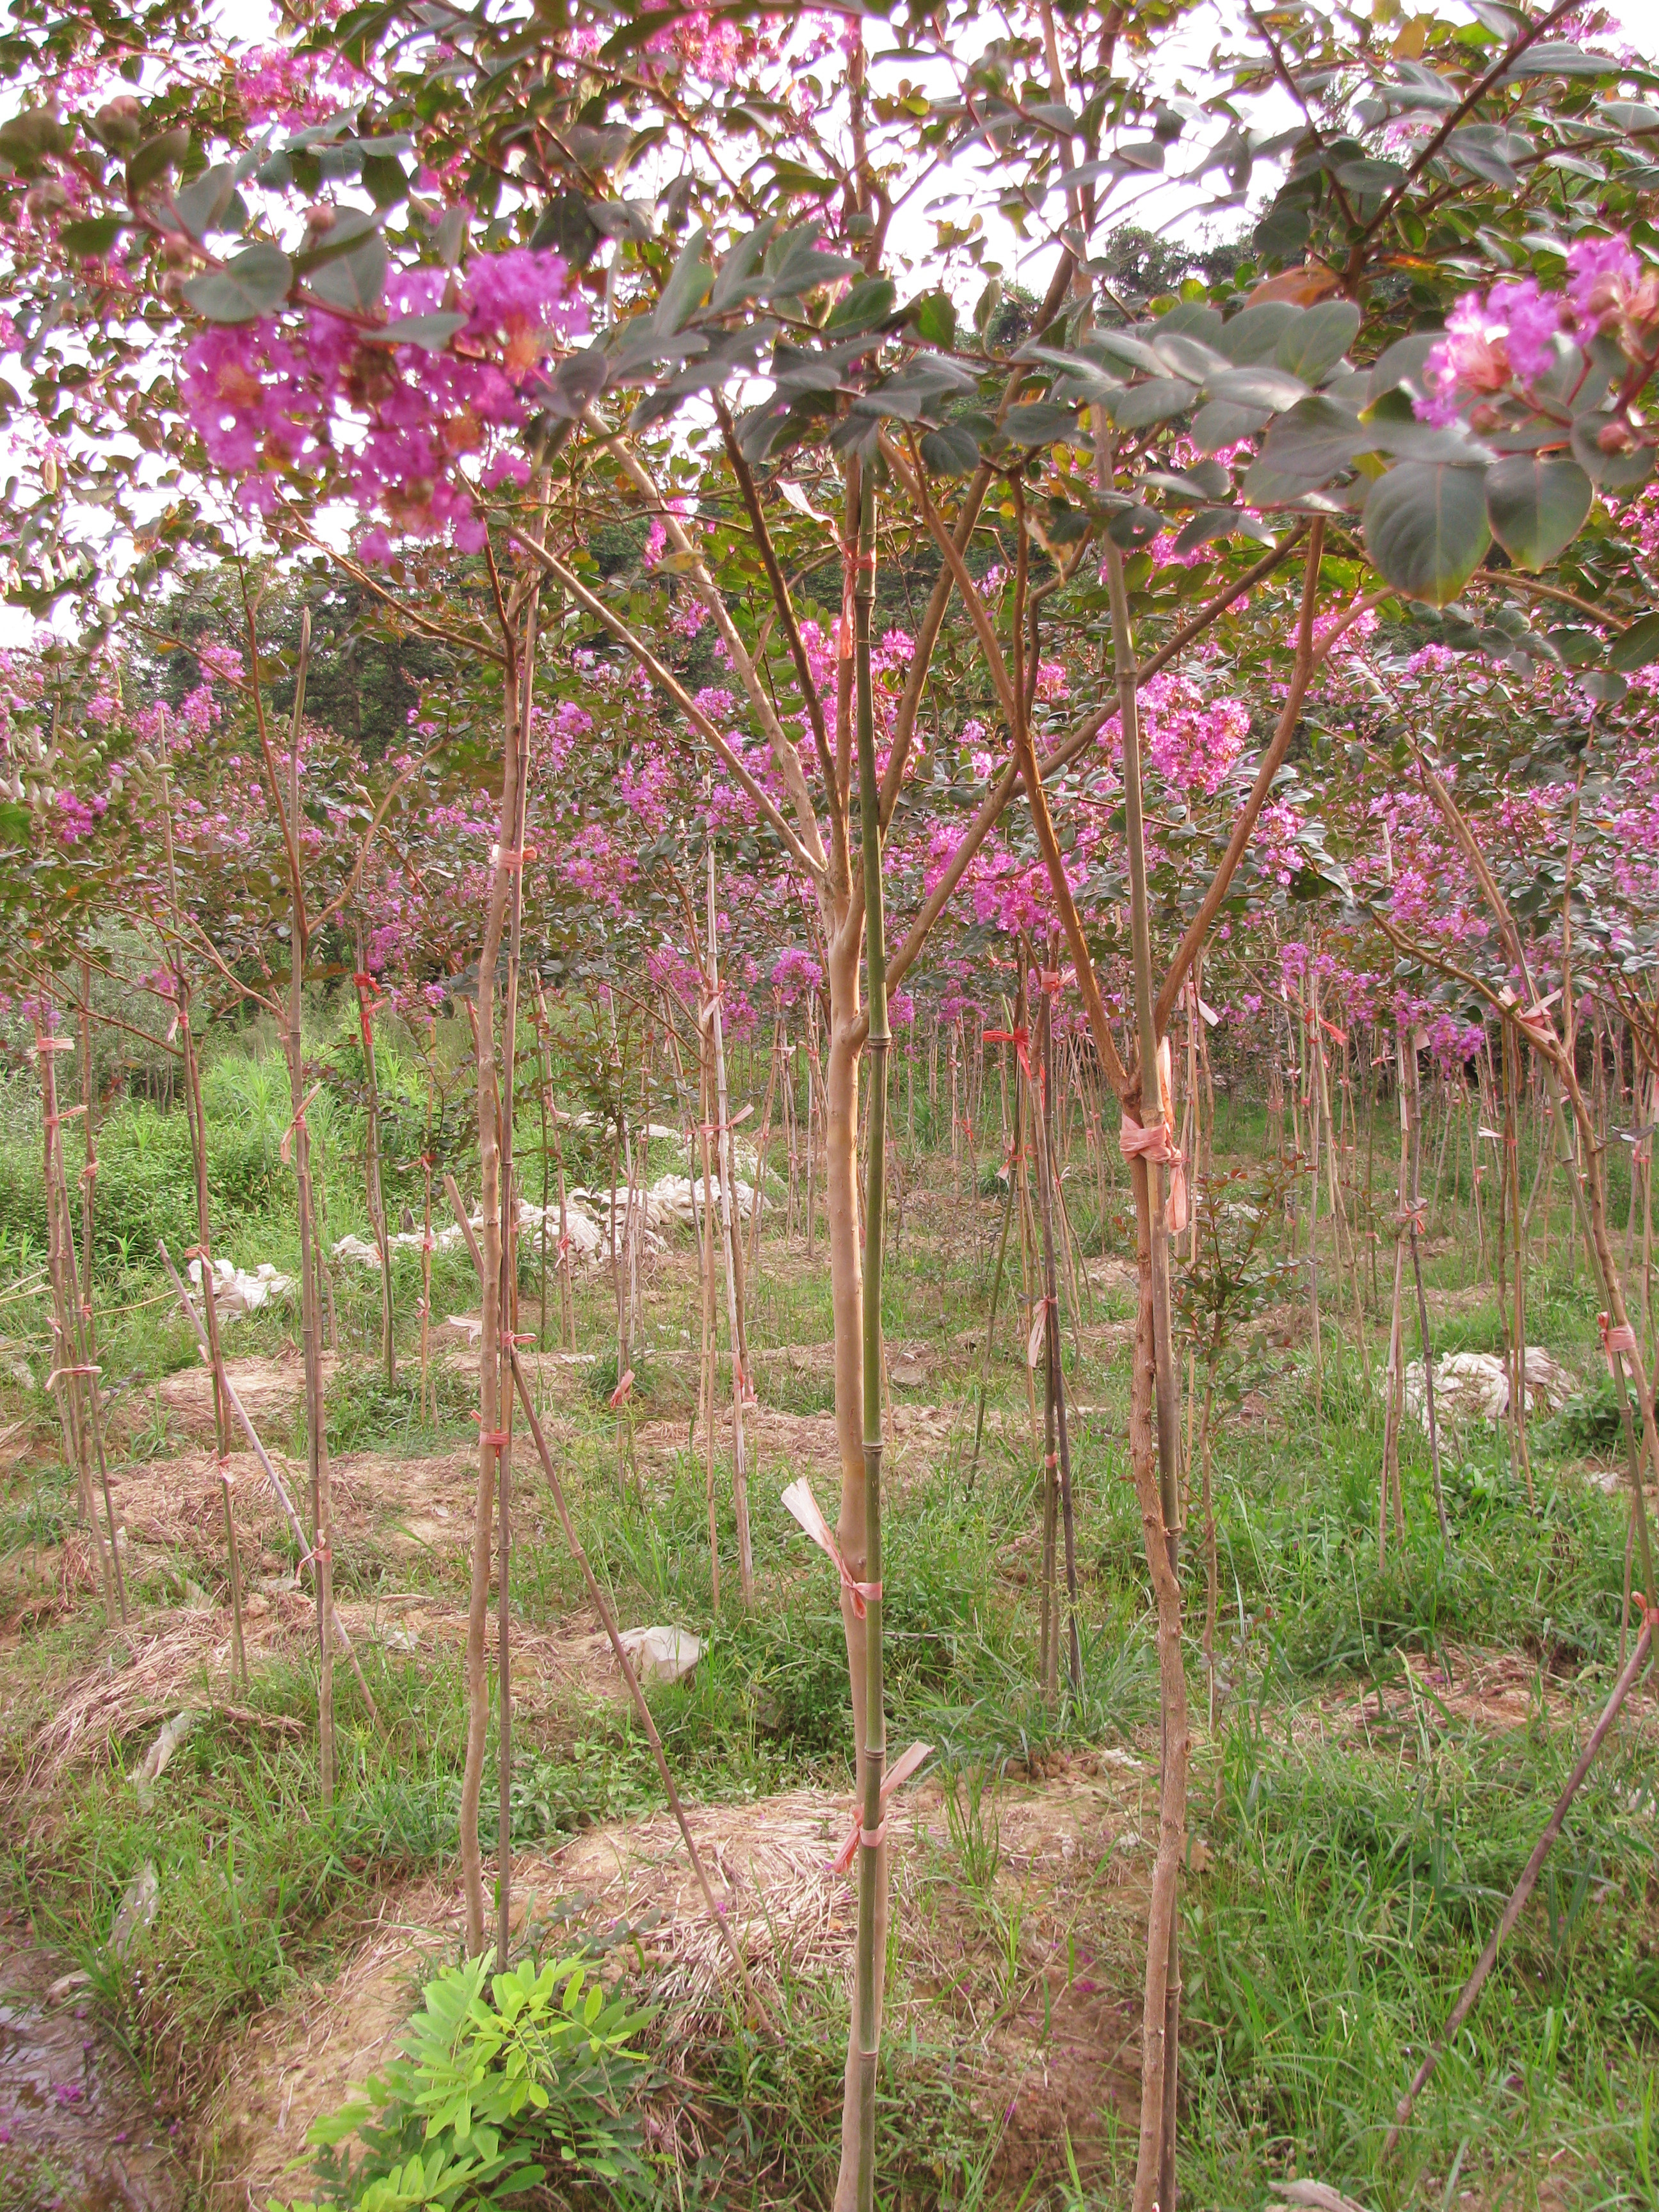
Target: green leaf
1606,691
1425,528
349,227
1316,343
1369,176
1127,350
1155,401
356,281
161,154
868,303
1558,58
201,205
740,276
1219,423
1182,355
1132,527
34,133
1536,507
92,238
933,319
688,283
384,180
433,332
1193,318
1039,423
1253,335
1578,649
255,283
1487,151
951,450
1258,386
565,227
1635,648
1212,523
1283,231
1313,442
452,235
1401,368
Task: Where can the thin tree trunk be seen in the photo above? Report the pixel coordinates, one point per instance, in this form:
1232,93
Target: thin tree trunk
492,1426
365,984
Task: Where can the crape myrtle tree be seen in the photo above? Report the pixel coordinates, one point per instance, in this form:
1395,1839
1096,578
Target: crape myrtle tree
447,280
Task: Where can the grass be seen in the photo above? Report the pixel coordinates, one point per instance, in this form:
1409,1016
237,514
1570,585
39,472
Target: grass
1348,1869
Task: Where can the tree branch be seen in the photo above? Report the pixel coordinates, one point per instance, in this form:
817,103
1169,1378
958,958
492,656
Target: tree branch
693,714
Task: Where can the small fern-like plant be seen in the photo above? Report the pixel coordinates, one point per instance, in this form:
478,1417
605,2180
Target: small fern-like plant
499,2074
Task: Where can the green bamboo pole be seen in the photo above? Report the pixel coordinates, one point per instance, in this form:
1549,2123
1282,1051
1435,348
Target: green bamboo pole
872,1867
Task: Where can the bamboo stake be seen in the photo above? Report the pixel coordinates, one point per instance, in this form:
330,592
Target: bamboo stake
706,1376
429,1390
1054,1392
996,1287
203,1254
88,1319
872,1860
711,1016
1512,1173
1413,1217
70,1368
1311,1098
365,985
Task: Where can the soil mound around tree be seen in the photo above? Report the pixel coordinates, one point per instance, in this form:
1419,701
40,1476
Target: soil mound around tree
1061,2059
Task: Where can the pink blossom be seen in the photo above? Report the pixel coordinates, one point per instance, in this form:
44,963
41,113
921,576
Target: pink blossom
1601,272
1532,318
1470,358
387,427
77,817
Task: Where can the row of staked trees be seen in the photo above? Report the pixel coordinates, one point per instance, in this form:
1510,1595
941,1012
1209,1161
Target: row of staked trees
732,549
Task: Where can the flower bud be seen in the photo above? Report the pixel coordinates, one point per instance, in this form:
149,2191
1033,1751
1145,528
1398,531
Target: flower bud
1614,437
45,199
119,123
320,219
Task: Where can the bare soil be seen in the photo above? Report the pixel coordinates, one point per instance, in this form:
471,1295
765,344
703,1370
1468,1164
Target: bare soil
1054,2054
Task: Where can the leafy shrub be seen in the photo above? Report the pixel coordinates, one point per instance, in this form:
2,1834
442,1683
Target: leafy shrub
1588,1422
499,2073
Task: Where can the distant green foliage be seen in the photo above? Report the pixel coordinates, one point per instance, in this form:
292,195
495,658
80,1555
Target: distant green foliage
146,1182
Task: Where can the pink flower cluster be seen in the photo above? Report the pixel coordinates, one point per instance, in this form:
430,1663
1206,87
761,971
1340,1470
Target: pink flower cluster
1507,337
77,817
387,427
795,974
1191,741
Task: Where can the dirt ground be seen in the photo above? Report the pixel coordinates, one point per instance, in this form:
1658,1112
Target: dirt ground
1054,2062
